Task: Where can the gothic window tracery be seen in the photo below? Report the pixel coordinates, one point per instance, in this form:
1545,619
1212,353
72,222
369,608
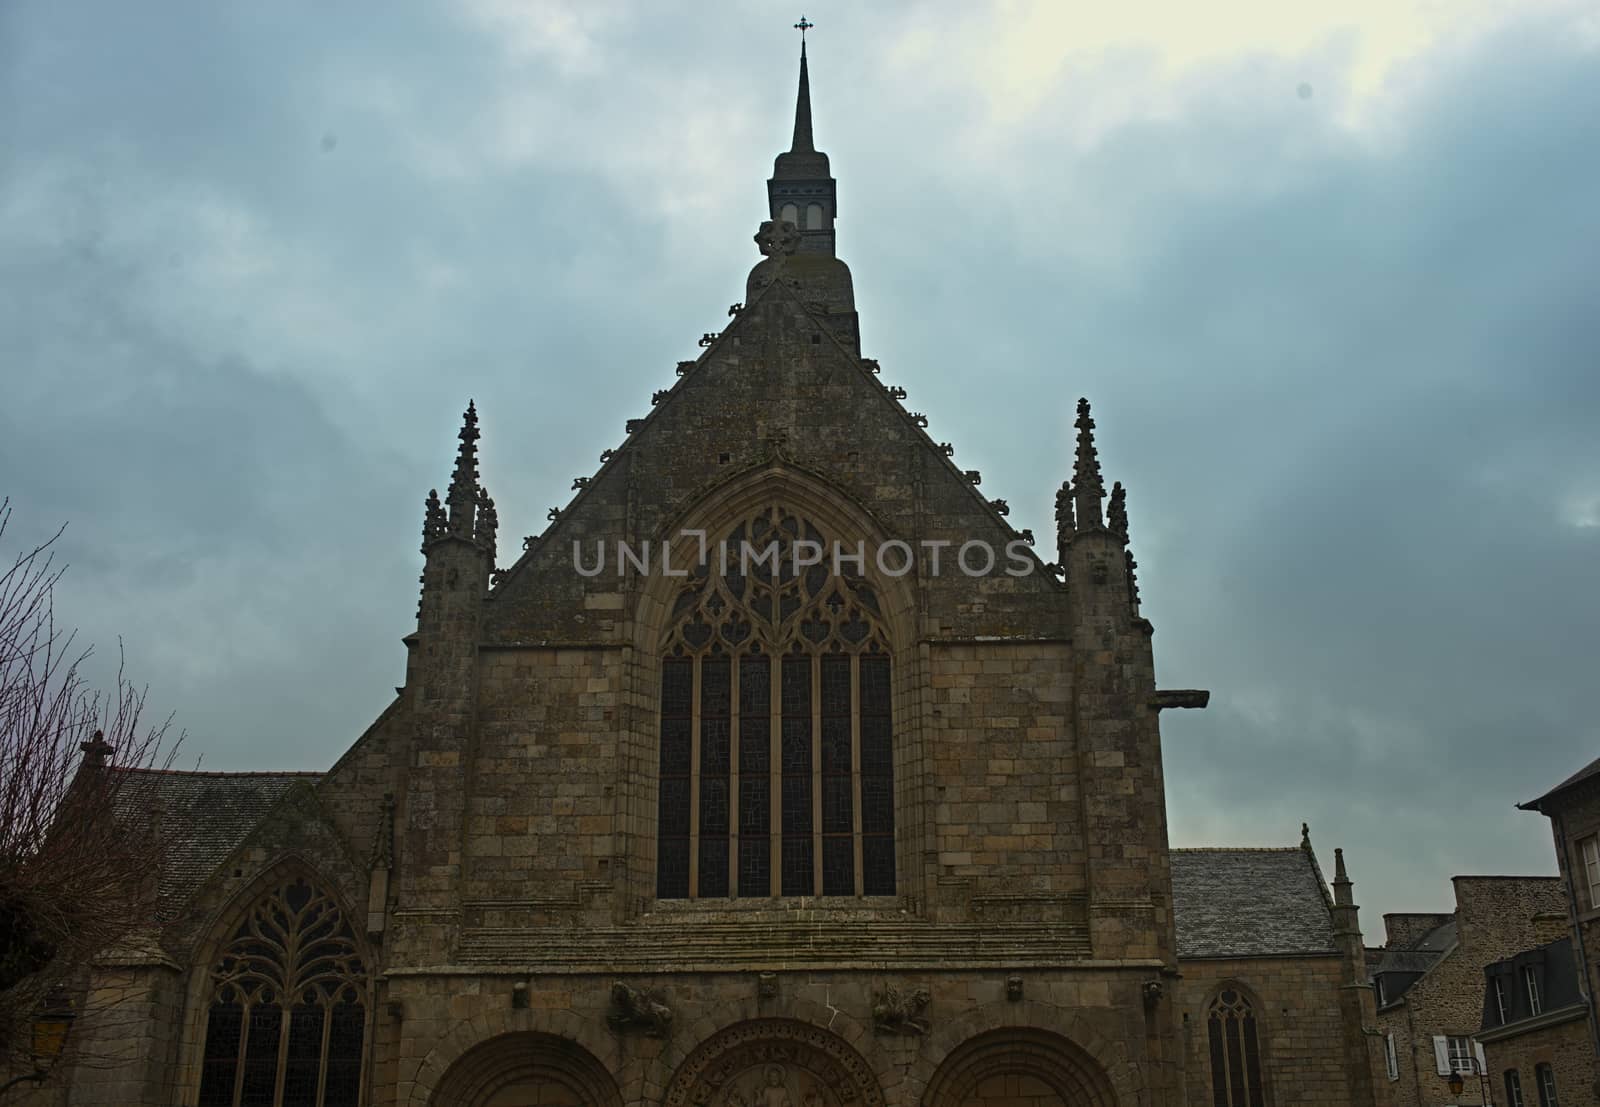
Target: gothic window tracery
288,1007
1235,1051
776,754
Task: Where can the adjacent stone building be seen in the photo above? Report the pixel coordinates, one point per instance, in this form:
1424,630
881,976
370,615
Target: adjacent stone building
1540,1025
1535,1033
1428,980
878,818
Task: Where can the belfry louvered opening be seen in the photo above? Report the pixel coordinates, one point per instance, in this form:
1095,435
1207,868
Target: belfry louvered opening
776,748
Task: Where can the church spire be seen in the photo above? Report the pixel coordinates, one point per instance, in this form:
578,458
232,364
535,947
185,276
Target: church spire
802,190
802,143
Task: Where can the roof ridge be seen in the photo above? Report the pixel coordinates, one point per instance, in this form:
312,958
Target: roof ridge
658,401
1234,849
225,772
868,368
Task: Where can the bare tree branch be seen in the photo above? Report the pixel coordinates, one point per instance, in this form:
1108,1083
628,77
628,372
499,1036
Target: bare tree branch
80,846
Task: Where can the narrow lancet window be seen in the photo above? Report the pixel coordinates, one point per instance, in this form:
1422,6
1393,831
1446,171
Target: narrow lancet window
1235,1052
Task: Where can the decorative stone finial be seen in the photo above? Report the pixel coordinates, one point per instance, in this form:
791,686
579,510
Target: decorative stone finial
383,837
1088,488
463,494
96,751
777,238
1066,526
1117,511
435,523
488,522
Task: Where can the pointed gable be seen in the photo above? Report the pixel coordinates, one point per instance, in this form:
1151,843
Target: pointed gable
776,382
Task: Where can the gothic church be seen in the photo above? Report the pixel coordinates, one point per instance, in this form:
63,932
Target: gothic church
651,829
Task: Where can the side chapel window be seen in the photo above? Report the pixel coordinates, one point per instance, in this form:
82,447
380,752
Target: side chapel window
776,759
288,1007
1235,1052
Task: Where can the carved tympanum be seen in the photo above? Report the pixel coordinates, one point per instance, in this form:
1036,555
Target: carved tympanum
774,1063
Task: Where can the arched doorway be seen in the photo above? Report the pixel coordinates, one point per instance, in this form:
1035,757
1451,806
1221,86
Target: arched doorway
527,1069
1019,1067
774,1063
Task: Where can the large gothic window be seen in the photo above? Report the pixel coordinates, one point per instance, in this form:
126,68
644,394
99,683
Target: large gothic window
776,770
288,1007
1235,1051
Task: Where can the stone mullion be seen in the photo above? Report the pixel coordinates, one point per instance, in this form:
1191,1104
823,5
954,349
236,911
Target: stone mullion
694,782
816,774
291,980
322,1055
244,1042
855,772
775,774
735,742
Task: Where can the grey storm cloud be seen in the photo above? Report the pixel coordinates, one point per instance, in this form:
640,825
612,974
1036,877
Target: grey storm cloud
253,263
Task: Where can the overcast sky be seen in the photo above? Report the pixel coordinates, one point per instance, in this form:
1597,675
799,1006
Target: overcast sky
1330,281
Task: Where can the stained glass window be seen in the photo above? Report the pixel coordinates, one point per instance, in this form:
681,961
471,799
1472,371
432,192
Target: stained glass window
288,1007
776,768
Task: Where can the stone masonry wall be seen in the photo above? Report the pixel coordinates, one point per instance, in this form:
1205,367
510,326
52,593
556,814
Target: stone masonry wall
439,1017
1301,1028
1497,917
1567,1048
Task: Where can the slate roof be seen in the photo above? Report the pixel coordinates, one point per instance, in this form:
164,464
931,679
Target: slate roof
1420,956
1249,903
204,816
1592,769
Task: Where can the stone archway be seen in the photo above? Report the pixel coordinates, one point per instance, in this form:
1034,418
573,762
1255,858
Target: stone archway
1019,1067
774,1063
527,1069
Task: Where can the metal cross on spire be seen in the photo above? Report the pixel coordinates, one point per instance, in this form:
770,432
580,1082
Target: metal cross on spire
803,26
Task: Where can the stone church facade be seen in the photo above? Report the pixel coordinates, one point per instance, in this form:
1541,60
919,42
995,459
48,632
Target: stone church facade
864,828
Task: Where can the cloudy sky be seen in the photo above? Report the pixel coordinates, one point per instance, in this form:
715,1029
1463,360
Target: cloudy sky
1329,279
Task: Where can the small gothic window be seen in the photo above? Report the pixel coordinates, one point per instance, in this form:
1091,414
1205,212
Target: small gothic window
288,1007
813,217
777,755
1235,1052
790,213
